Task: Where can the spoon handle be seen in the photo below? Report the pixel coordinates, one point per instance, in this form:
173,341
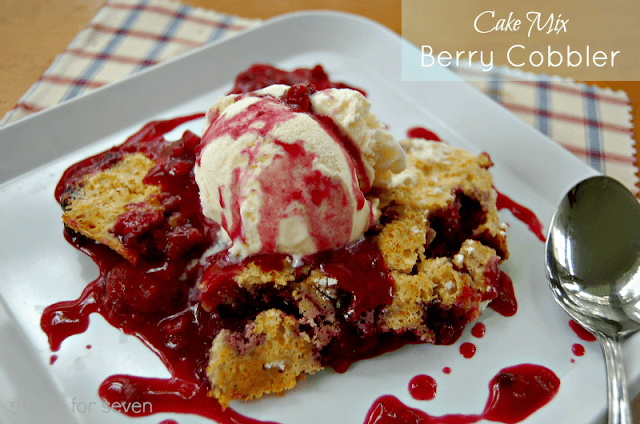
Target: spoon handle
619,410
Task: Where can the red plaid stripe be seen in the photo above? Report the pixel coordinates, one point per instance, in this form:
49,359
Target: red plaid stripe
142,34
57,79
608,157
29,107
111,57
567,118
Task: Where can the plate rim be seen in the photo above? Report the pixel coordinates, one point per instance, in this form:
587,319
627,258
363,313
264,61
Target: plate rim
68,107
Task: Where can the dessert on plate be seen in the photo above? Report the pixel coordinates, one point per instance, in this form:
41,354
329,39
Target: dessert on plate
295,234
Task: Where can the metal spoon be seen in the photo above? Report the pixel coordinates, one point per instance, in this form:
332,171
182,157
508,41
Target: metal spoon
593,268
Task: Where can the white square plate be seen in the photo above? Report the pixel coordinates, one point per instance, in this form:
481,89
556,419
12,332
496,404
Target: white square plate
38,267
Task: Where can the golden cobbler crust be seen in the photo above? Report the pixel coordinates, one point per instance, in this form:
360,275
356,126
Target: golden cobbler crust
94,207
270,357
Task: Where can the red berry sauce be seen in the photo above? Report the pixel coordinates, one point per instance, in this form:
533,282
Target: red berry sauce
505,303
478,330
515,393
523,214
467,350
172,395
262,75
425,134
581,332
446,370
423,387
577,349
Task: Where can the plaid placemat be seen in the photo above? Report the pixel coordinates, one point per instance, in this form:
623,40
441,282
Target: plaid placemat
592,123
126,36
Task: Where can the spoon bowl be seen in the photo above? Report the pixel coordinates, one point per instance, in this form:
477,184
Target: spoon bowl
593,268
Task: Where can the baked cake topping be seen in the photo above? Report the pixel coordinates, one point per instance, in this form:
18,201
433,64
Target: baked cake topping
94,208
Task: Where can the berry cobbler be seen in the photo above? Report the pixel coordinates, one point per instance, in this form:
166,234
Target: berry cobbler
295,233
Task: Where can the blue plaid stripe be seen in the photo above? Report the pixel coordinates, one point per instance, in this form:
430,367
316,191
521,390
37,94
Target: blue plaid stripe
593,131
542,117
98,64
494,88
221,29
164,39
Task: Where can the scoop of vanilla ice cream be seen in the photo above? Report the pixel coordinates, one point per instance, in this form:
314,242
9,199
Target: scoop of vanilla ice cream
381,154
282,180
